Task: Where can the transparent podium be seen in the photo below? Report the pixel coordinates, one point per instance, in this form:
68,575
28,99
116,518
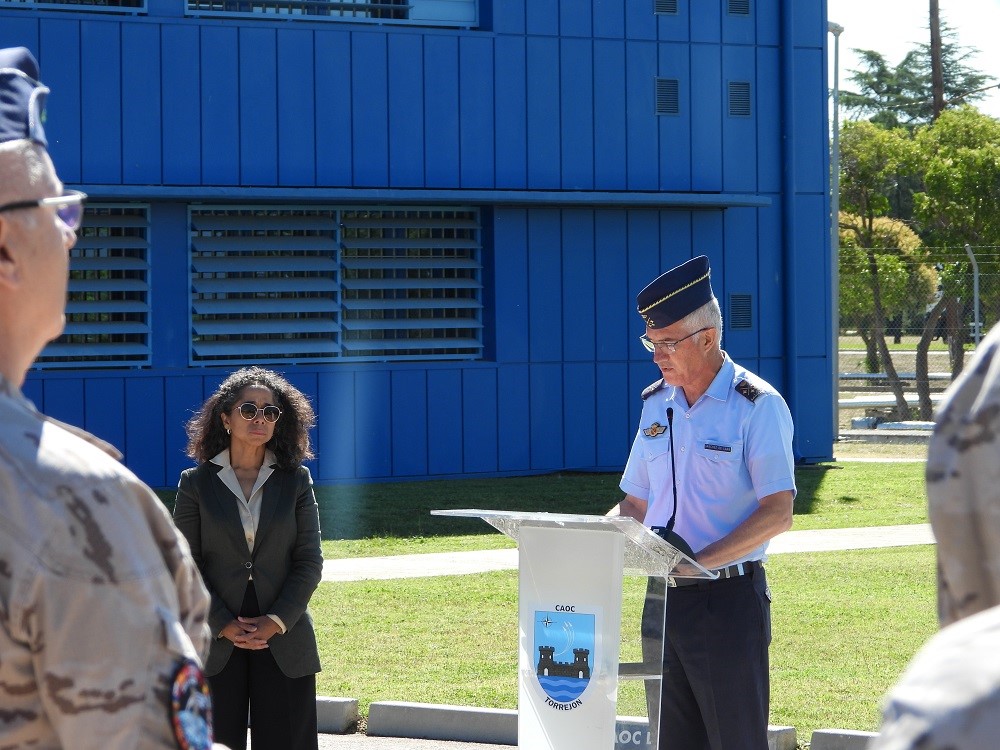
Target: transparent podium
571,570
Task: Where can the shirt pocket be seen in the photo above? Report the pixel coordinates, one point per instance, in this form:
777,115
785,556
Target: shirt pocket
720,452
656,448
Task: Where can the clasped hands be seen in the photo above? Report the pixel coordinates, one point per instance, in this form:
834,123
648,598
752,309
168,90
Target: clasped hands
251,633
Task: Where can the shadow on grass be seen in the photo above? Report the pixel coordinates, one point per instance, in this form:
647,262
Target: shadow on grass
809,482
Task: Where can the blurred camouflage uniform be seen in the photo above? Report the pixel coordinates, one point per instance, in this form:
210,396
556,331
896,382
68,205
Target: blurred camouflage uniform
949,696
99,598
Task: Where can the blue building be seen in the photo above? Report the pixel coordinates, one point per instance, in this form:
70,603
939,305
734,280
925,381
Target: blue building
432,215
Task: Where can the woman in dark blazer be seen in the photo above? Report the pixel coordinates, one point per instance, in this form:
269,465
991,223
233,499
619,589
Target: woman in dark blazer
250,515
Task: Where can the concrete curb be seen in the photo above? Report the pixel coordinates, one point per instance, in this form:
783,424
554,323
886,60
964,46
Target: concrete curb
841,739
336,715
496,726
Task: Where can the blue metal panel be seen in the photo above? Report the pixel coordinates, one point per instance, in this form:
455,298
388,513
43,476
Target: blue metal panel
369,96
34,390
511,275
707,238
580,400
609,114
674,27
740,29
739,158
335,407
441,111
170,319
613,300
258,94
641,119
614,427
640,375
104,401
334,109
545,384
444,389
771,282
543,112
812,292
141,134
308,383
545,300
811,132
372,425
768,103
22,31
644,247
575,19
61,72
768,22
477,159
182,397
675,239
220,113
479,421
706,22
542,17
579,286
809,27
511,117
814,417
675,130
181,111
640,23
101,95
408,393
145,433
296,137
739,276
508,16
406,110
706,114
609,19
577,114
64,400
514,449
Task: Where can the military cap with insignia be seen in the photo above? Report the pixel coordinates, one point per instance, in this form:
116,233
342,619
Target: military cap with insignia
676,294
22,97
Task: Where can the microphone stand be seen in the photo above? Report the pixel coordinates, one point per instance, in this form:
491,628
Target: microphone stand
667,533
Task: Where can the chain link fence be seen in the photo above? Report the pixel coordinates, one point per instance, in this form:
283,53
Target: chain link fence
908,322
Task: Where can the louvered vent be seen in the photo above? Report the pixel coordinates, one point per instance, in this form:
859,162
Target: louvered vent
667,96
740,312
739,99
665,7
739,7
107,309
329,283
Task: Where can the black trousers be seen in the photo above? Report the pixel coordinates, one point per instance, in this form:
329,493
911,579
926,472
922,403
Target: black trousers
282,709
715,689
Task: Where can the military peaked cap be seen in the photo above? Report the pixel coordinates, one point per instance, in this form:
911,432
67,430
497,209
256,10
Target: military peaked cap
676,293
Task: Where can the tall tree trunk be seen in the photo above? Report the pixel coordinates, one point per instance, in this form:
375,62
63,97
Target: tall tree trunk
871,350
902,411
923,346
956,336
937,71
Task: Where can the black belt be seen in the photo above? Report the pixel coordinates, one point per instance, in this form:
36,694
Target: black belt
730,571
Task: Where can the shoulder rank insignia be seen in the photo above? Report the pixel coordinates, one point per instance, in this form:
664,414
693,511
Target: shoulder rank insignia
748,391
654,429
649,390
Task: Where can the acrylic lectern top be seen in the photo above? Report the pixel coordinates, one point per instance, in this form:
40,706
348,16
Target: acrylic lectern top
645,552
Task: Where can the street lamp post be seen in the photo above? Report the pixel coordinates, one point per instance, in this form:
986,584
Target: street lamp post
836,30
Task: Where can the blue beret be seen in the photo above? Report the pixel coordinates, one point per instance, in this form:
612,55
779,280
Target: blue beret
22,97
676,293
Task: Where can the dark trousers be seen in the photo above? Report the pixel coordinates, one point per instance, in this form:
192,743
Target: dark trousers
715,690
282,709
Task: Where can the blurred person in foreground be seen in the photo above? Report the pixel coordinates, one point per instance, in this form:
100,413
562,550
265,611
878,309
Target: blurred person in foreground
102,611
249,512
949,696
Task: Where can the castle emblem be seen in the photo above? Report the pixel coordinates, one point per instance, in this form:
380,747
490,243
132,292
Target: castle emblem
565,644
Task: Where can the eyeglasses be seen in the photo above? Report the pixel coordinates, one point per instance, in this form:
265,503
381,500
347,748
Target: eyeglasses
670,346
250,410
69,207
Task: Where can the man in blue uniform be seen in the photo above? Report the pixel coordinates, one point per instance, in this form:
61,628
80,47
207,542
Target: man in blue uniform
711,468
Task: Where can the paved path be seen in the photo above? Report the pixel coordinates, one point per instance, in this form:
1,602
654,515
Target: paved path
463,563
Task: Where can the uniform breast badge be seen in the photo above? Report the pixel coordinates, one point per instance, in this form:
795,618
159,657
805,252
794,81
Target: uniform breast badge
654,429
191,708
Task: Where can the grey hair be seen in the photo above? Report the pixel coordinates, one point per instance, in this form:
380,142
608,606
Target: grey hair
708,315
23,163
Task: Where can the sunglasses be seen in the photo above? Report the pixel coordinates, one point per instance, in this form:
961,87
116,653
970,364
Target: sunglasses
68,206
250,410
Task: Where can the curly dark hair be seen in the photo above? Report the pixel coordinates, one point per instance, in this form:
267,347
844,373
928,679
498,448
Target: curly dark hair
207,436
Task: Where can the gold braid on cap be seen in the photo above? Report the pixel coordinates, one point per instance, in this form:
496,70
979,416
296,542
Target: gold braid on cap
676,291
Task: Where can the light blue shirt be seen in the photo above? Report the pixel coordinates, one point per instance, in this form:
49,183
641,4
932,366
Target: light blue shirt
729,452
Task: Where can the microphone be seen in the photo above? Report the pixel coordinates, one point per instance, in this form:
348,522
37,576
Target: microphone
667,533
